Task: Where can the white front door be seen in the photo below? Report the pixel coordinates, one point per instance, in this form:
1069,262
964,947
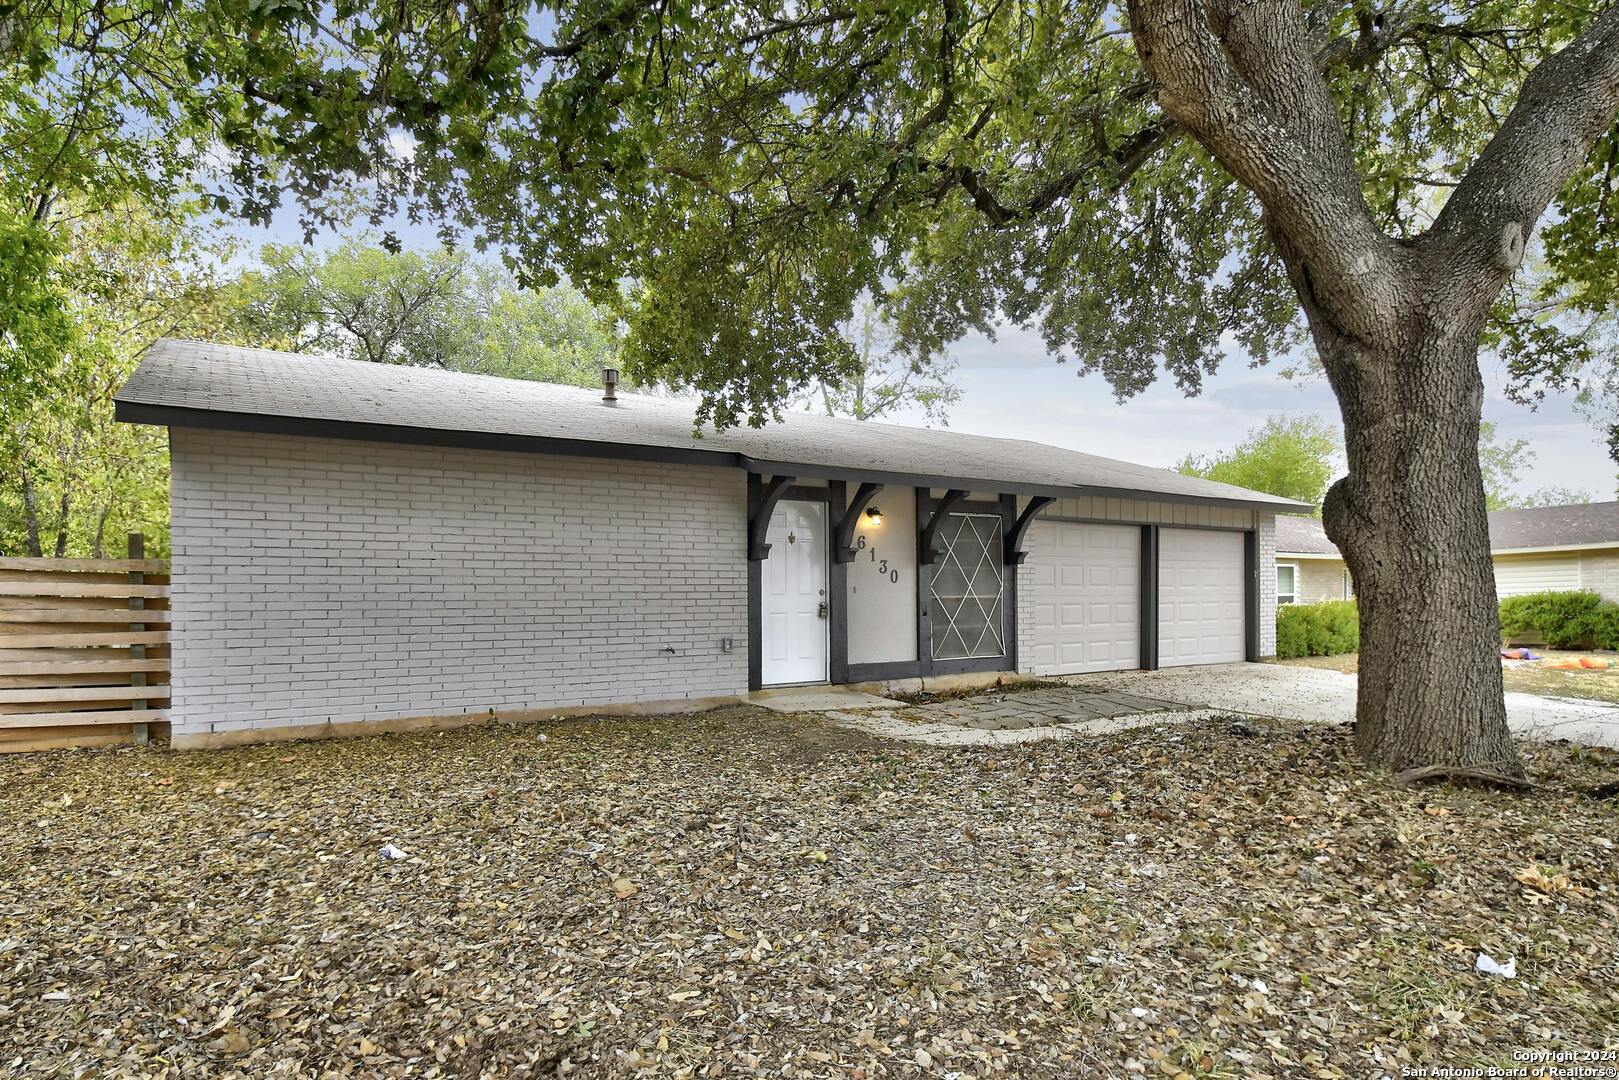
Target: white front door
1201,597
794,622
1082,587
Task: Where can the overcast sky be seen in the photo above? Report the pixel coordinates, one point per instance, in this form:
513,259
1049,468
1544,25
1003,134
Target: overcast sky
1011,388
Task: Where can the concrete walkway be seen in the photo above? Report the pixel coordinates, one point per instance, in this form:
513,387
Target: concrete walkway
1313,694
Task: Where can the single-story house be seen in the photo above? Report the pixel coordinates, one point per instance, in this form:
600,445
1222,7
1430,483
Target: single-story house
1539,550
363,547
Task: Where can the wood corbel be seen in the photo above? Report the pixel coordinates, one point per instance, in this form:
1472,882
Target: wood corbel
764,500
843,548
1014,539
927,553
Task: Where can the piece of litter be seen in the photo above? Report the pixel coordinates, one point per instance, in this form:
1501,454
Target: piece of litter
1259,986
388,851
542,737
1488,965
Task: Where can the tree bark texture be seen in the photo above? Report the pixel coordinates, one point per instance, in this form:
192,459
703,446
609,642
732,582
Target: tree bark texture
1410,521
1397,325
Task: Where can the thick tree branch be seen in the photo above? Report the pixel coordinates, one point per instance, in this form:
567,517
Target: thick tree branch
1257,101
1567,103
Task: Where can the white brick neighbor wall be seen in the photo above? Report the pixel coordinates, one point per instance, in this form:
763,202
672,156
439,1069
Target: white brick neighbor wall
1136,511
325,581
1266,529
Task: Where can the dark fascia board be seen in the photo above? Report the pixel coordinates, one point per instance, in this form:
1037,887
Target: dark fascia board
137,412
825,472
134,412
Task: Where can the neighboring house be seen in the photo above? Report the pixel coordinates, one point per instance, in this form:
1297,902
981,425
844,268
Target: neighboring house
361,547
1547,548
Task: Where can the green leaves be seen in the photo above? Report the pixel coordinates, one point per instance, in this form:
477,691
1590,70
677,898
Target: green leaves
754,169
1290,456
441,309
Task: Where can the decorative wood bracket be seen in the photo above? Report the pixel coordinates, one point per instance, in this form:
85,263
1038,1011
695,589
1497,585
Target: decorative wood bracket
1014,539
926,551
764,504
843,547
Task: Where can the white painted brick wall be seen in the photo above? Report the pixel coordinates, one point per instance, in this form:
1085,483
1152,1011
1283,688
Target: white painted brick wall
1265,527
331,580
1135,511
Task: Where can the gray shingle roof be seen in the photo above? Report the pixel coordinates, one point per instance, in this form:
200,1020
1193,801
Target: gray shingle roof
1296,535
1575,525
202,384
1555,526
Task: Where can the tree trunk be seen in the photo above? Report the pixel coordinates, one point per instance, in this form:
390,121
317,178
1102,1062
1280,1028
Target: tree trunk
1410,520
30,506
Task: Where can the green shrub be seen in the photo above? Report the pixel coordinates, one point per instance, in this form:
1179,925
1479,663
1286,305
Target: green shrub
1605,626
1560,620
1325,629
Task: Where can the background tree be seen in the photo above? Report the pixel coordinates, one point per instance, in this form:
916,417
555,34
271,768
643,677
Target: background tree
1291,456
113,280
357,302
442,309
884,380
1147,181
1502,462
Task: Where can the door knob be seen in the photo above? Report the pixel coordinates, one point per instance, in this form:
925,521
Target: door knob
821,611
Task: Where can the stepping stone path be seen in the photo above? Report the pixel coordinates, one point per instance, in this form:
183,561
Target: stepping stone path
1014,711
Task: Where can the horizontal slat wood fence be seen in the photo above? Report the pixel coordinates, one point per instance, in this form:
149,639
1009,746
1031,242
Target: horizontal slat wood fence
84,650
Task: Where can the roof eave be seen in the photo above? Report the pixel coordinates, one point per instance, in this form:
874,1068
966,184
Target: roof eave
131,411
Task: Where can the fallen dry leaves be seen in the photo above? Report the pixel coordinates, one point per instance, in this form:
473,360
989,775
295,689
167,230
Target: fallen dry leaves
744,894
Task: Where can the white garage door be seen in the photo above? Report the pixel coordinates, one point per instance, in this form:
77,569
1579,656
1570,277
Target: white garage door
1084,584
1201,598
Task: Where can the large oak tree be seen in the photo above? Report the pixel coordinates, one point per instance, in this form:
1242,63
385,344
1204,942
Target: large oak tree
1153,183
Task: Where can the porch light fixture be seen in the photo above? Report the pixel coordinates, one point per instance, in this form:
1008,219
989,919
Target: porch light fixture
874,516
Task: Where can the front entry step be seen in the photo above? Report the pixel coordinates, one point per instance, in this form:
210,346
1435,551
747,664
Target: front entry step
818,699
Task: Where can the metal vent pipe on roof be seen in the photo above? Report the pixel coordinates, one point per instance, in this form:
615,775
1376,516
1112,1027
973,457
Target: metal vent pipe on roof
610,384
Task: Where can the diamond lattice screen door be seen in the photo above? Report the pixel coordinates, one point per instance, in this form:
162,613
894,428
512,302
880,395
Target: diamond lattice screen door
966,586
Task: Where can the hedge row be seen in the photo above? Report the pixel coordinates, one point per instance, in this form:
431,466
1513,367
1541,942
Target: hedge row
1325,629
1561,620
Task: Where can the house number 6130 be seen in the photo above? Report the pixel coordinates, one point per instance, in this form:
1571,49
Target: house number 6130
882,564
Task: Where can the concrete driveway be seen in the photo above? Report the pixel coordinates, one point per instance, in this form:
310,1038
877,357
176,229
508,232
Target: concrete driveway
1312,694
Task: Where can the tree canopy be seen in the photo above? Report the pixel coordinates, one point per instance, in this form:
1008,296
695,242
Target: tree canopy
884,380
755,169
1291,456
95,291
442,308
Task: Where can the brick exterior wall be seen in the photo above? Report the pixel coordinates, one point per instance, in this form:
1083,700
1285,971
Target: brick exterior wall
332,581
1135,511
1265,525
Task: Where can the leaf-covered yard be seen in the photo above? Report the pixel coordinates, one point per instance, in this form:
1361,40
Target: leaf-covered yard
740,893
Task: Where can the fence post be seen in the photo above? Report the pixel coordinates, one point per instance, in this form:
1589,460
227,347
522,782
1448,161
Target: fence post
137,550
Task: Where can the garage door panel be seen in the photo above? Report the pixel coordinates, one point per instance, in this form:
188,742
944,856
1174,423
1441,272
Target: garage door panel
1202,597
1084,581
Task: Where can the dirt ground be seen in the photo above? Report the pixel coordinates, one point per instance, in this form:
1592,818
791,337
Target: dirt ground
1547,682
747,894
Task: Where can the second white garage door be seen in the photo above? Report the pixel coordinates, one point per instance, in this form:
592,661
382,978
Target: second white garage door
1201,597
1083,584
